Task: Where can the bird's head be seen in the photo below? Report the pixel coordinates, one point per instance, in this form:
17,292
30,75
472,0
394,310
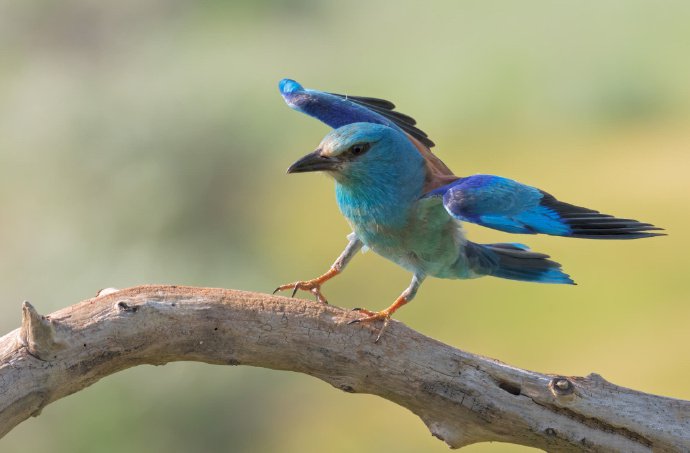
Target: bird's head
360,152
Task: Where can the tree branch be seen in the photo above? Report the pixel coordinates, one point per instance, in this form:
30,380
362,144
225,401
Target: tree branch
463,398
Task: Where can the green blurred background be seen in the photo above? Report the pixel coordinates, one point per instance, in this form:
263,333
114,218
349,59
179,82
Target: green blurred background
146,142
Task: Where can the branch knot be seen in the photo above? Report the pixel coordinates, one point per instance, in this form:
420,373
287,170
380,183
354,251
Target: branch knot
38,334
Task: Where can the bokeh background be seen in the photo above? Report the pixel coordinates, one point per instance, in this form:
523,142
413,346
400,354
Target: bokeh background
146,142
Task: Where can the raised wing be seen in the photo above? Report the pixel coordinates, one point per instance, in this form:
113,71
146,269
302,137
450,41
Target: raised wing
506,205
338,110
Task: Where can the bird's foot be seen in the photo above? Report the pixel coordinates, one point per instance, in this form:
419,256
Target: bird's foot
373,316
313,286
383,315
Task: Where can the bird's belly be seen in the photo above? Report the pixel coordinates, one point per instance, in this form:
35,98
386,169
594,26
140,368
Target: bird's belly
432,248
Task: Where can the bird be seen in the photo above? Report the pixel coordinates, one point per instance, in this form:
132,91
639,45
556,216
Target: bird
405,204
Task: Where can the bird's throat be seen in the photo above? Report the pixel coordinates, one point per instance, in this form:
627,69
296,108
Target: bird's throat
375,206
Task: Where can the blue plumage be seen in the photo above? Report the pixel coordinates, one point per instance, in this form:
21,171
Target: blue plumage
406,205
338,110
335,111
507,205
515,262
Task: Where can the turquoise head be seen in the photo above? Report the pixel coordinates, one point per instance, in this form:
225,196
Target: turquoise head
365,154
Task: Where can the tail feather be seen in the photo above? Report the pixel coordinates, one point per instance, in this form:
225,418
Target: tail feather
515,262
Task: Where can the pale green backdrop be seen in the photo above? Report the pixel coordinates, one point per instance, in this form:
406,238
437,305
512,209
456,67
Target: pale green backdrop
146,142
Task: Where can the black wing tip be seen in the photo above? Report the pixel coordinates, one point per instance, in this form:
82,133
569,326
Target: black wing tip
629,231
386,109
366,100
614,236
613,229
590,224
422,139
373,102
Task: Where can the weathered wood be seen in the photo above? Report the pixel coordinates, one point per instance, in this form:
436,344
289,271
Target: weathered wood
463,398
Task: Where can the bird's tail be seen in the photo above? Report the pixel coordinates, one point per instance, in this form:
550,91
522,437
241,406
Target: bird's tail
514,262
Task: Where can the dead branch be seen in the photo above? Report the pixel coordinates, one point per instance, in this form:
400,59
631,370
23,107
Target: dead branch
463,398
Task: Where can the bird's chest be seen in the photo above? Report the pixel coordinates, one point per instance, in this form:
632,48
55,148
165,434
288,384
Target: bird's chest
379,221
382,229
415,238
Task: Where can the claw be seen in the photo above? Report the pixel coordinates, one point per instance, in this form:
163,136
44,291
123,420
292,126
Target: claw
372,317
313,286
384,315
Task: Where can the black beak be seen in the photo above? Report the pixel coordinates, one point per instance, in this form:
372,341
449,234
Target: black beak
313,162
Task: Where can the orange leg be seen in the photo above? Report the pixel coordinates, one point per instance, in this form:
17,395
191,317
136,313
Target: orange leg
385,315
314,285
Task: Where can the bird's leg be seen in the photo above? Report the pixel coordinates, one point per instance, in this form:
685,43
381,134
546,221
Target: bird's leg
314,285
386,314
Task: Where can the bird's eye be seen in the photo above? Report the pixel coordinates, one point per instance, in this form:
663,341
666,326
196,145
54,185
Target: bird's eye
359,149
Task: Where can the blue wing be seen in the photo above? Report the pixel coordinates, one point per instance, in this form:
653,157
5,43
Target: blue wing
338,110
506,205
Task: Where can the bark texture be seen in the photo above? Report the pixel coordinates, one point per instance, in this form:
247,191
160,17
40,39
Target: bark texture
463,398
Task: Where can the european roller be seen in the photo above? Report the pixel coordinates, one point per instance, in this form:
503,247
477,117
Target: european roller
404,203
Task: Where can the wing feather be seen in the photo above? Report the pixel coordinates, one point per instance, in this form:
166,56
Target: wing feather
507,205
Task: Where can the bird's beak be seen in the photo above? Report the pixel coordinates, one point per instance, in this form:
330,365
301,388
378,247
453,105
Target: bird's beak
314,162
